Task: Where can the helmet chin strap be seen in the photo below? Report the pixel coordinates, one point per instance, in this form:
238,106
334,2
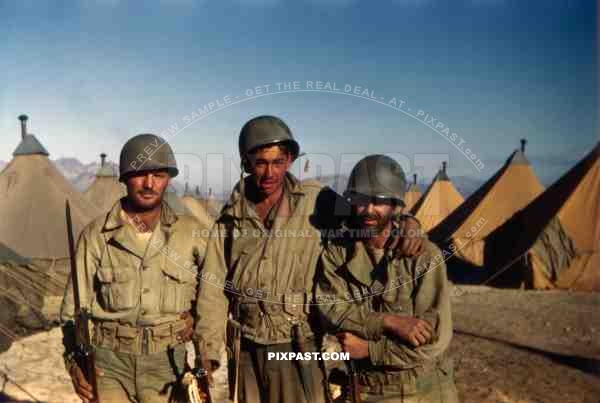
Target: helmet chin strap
243,190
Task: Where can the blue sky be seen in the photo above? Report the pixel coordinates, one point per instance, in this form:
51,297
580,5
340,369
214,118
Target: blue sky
91,73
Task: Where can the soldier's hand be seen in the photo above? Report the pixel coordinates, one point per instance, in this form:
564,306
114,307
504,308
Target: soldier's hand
355,346
203,387
410,241
81,385
187,333
415,331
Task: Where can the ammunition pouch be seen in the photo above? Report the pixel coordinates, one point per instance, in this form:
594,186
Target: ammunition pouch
412,381
137,340
270,320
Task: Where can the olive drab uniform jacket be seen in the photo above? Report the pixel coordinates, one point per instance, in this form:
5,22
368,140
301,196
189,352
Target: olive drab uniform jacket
133,280
264,278
353,295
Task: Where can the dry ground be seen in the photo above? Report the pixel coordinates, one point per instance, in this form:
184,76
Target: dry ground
510,346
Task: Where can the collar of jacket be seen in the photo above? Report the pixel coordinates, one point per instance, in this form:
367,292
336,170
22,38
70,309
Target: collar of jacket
124,235
233,208
115,221
360,265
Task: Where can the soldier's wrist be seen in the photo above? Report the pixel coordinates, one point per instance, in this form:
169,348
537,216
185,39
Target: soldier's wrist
374,326
389,322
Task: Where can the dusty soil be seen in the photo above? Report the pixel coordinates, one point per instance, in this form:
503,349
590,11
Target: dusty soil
510,346
491,371
526,346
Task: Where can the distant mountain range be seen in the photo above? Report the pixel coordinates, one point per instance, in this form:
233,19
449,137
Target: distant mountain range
466,185
82,175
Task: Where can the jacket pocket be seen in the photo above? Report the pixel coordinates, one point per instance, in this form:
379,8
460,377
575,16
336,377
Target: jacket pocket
241,273
119,290
178,289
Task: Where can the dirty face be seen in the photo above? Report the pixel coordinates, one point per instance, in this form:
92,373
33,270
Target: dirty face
145,189
372,213
269,166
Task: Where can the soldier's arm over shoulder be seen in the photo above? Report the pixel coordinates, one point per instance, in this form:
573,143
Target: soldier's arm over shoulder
432,303
330,209
212,304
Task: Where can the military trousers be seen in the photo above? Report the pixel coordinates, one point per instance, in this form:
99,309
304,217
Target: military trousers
264,380
436,387
134,378
445,394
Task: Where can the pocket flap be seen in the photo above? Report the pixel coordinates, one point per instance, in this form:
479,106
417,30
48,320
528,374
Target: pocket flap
127,332
161,331
123,274
293,303
180,273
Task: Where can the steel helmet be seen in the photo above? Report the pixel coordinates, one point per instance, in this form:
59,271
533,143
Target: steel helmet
263,131
377,176
146,152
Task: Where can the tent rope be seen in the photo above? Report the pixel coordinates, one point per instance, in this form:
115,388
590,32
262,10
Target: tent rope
37,311
36,288
6,379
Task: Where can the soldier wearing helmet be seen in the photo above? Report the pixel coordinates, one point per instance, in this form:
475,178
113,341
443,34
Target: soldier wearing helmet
262,259
399,330
137,267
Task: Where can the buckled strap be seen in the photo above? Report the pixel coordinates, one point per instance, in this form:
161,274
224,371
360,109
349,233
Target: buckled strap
140,340
292,303
409,381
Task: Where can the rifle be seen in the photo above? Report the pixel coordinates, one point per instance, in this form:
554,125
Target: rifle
200,375
84,350
305,373
234,341
354,384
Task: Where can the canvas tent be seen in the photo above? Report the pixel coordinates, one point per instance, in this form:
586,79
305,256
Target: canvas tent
210,203
106,188
32,200
413,194
26,292
175,202
197,209
554,242
510,189
7,255
213,205
440,199
34,264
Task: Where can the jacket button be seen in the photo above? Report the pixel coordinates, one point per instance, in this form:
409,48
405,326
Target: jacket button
143,311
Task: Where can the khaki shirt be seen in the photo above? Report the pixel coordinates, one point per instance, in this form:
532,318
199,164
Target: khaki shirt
264,278
136,280
353,295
